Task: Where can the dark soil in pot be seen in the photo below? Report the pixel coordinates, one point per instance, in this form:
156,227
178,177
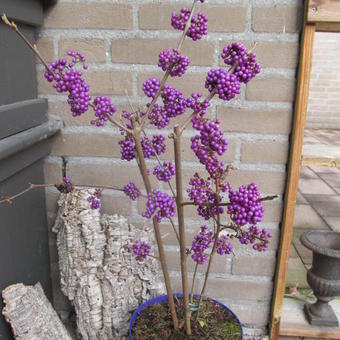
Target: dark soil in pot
214,322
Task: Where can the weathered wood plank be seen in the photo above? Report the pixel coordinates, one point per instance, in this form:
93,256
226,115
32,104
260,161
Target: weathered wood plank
328,26
293,174
323,11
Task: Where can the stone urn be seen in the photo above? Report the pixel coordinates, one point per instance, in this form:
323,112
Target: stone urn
324,276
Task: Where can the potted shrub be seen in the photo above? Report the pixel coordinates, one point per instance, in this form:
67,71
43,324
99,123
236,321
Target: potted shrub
184,315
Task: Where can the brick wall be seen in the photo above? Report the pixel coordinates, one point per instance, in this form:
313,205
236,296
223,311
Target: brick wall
324,100
121,41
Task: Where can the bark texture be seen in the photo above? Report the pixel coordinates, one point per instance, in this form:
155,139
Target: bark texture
31,315
103,281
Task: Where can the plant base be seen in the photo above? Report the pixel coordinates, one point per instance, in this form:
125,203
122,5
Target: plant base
215,321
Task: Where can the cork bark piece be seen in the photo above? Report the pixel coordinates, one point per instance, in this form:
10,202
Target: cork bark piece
103,281
31,315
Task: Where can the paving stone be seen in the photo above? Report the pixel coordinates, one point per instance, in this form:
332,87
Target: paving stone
332,179
293,317
333,222
300,199
296,274
331,209
303,253
315,186
292,252
322,198
306,172
306,217
325,169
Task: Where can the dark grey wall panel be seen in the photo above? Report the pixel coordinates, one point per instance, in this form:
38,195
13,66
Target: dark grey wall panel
20,160
21,116
14,144
28,11
25,140
23,236
17,66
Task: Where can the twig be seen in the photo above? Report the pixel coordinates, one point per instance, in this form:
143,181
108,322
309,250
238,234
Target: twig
39,186
32,47
187,121
266,198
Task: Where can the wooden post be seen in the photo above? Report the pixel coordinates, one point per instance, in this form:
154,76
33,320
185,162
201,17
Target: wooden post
293,175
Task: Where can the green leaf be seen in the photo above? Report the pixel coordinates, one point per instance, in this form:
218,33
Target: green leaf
202,323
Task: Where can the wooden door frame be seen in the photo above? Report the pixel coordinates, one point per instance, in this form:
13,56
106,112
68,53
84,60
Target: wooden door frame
318,16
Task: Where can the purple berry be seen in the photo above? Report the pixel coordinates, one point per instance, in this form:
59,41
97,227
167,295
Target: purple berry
131,191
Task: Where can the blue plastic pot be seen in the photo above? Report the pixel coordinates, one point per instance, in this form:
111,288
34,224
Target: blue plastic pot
162,298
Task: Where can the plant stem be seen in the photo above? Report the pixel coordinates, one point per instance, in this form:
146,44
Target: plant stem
170,186
187,26
193,284
158,236
181,228
213,250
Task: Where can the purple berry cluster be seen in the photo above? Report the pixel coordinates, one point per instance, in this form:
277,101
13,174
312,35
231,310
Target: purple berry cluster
245,205
127,148
177,62
246,66
202,194
77,57
68,79
225,84
206,156
150,87
66,186
197,105
131,191
200,244
174,101
224,246
159,117
160,205
94,199
259,239
150,147
212,137
164,172
208,145
198,26
103,108
158,143
139,249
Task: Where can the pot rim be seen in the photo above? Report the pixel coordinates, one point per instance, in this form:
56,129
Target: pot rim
305,240
164,297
